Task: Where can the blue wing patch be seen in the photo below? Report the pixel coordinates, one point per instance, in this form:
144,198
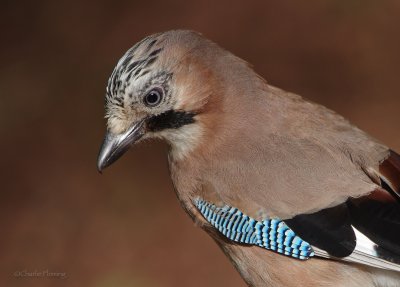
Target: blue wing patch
272,234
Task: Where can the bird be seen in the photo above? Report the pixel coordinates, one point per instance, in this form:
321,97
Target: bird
291,191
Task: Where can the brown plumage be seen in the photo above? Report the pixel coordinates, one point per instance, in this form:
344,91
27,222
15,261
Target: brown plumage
237,141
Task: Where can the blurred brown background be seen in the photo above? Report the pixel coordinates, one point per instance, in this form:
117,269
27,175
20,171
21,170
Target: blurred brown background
125,227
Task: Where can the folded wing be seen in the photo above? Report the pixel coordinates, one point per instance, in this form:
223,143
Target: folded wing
363,230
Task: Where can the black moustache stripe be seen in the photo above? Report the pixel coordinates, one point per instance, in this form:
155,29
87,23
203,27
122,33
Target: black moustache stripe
170,120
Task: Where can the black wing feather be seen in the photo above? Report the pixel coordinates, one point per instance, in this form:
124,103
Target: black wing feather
328,229
379,217
379,221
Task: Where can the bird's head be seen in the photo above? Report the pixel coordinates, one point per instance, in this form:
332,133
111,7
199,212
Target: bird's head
158,89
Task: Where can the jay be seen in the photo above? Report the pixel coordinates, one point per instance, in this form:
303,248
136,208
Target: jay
293,193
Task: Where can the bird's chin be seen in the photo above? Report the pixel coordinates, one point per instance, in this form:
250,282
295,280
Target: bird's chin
115,145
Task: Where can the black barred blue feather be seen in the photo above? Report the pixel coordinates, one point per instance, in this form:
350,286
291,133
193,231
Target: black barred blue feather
272,234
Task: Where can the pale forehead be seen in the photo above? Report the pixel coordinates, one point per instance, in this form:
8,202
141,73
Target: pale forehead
149,56
136,63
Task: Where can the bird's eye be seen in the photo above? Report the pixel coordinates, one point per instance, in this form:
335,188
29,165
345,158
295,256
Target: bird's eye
153,98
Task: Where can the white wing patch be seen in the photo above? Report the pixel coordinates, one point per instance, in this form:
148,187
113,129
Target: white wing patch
366,253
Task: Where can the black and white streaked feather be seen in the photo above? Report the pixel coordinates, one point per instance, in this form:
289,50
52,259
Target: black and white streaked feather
134,76
135,63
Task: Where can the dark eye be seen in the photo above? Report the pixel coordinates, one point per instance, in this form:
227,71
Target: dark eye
153,98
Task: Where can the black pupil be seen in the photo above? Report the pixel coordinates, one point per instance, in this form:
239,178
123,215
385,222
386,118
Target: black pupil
153,97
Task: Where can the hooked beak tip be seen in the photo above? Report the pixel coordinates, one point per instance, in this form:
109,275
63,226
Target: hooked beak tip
99,169
107,154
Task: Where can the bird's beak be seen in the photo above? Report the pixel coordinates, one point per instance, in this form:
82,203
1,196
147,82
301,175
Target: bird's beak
115,145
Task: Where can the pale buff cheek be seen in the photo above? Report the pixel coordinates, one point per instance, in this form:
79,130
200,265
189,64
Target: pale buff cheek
183,140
